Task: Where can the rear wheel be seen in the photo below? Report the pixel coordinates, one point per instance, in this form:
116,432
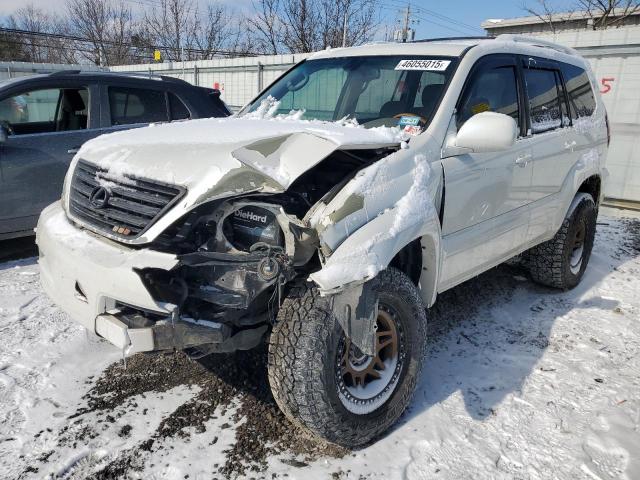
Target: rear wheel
323,382
561,261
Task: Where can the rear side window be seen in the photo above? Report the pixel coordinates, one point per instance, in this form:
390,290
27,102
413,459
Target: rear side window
582,102
491,90
136,105
543,90
178,109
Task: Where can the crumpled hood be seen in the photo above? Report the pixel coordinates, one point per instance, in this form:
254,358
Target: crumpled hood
197,154
221,158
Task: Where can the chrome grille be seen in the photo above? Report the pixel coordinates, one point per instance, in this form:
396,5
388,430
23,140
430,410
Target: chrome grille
123,206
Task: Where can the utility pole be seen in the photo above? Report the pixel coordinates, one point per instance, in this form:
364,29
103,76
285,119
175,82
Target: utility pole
405,28
402,30
344,24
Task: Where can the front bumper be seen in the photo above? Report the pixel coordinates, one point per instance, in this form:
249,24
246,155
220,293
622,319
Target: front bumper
87,276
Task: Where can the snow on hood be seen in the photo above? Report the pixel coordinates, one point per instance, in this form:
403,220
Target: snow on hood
186,153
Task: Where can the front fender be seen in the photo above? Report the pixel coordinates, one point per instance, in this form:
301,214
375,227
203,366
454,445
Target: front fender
372,247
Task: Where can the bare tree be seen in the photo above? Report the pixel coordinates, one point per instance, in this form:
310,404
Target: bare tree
309,25
266,27
219,31
35,47
349,22
107,26
301,25
183,32
601,13
608,13
12,48
548,14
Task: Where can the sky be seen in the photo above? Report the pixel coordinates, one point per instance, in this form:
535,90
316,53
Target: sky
432,18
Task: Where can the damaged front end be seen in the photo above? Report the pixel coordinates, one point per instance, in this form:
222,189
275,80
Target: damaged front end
236,258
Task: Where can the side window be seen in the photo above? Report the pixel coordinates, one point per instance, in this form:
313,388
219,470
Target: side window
47,110
136,105
178,109
582,101
544,101
492,89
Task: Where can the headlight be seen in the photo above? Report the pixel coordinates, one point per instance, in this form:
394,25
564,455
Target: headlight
64,199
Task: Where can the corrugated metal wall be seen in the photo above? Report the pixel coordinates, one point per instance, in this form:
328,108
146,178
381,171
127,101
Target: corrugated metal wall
614,55
239,79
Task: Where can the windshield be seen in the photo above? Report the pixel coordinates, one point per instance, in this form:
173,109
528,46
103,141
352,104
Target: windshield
375,91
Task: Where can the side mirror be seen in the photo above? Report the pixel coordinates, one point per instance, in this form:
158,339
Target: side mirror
487,132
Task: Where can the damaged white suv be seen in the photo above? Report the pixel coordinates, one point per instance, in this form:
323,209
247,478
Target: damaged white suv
329,213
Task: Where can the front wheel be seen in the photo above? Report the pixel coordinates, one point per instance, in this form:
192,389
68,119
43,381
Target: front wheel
324,383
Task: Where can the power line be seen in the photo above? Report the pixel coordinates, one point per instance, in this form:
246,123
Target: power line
428,20
450,20
59,47
75,38
424,19
426,13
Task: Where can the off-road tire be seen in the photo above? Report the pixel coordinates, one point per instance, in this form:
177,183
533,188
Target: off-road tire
550,262
302,355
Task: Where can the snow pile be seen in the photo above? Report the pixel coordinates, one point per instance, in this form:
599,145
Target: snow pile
410,213
277,172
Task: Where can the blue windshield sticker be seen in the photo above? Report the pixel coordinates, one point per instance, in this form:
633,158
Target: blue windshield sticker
411,120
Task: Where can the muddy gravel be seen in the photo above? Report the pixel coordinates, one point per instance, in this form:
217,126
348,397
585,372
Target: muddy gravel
237,381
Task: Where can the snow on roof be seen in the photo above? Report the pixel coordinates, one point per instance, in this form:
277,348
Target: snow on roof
444,47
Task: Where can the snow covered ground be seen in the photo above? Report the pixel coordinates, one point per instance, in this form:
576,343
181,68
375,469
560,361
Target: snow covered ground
521,382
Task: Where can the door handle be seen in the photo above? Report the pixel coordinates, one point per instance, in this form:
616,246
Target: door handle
73,150
523,160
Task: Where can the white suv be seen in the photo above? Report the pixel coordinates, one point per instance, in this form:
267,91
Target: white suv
329,213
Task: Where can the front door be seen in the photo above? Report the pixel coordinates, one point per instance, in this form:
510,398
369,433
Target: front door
486,195
46,127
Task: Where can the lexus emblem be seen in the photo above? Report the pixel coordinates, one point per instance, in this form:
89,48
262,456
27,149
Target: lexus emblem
100,197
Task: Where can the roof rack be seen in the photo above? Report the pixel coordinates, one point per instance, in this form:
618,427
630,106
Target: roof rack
444,39
64,72
537,43
136,74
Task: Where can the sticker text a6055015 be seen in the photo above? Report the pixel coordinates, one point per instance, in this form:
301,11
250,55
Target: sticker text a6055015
432,65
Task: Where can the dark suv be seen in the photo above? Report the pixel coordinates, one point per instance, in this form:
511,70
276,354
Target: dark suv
44,119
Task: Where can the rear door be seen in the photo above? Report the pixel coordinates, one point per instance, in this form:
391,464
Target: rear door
48,124
487,195
549,122
556,146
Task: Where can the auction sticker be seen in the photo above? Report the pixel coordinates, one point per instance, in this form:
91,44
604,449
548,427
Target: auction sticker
430,65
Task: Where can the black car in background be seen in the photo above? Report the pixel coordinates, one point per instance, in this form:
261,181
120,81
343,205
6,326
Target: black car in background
44,119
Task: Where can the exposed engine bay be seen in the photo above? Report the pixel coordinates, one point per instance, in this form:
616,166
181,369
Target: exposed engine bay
237,256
